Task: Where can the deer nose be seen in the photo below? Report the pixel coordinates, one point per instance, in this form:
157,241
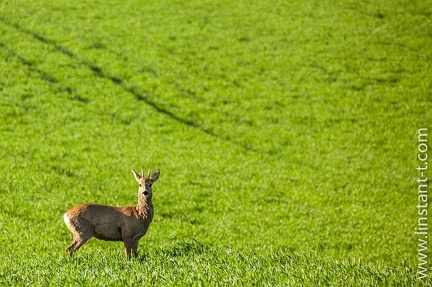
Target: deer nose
145,193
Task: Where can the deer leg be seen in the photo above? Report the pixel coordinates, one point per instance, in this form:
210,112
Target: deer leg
130,247
81,234
76,244
135,247
71,248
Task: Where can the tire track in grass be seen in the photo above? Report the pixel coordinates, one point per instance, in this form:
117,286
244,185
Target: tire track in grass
45,76
32,67
99,72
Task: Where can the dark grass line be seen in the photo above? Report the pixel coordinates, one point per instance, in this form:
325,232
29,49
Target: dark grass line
47,77
32,67
98,71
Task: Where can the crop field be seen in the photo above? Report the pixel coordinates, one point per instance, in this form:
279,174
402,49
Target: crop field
286,133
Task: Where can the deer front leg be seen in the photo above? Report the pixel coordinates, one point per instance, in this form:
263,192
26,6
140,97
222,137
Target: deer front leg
130,248
135,247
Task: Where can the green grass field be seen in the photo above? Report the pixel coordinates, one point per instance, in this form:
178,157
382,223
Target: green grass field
285,132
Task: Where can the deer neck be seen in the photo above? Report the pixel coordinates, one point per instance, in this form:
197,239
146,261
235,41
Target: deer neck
145,207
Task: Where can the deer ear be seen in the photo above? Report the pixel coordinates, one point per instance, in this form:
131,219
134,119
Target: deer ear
155,175
137,176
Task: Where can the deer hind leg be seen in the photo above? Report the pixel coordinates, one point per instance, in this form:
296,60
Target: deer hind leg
77,242
82,231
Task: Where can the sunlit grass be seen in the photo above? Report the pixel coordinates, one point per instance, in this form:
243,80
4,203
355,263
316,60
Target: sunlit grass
193,264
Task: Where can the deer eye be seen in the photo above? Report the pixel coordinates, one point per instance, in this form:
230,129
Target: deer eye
140,184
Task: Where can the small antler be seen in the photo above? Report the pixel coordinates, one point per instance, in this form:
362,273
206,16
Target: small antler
142,173
148,174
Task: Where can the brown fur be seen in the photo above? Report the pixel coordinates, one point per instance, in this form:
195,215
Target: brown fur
126,223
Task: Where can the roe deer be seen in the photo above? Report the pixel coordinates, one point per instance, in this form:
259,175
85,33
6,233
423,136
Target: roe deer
126,223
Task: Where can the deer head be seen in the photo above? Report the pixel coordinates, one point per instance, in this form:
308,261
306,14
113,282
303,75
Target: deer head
145,183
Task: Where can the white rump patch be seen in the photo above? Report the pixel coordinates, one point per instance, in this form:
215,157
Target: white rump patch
66,219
